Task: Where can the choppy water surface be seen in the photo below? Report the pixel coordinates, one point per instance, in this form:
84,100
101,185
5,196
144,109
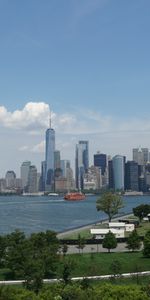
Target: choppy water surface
33,214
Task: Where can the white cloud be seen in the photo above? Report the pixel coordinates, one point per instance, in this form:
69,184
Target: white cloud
33,116
34,119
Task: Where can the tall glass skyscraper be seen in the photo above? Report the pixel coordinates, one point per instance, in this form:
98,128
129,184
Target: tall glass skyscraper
81,162
118,171
100,160
49,159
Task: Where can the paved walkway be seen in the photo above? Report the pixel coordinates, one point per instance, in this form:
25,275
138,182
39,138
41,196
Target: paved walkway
121,247
101,277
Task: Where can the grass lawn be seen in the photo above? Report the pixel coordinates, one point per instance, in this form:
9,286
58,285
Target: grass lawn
143,228
99,263
84,232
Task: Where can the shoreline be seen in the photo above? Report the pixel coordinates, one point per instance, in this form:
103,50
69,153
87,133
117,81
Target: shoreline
89,226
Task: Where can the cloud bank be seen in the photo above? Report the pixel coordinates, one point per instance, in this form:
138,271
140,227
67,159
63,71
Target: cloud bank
34,118
23,133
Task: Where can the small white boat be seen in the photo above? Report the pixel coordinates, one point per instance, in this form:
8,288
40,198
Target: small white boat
53,194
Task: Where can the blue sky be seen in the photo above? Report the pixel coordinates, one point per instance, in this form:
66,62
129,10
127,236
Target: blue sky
89,61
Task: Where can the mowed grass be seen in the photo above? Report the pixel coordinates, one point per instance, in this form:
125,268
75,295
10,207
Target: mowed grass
143,228
100,263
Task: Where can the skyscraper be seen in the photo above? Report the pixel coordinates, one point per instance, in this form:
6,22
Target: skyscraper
100,160
49,158
81,162
141,155
24,170
32,180
118,172
131,176
10,179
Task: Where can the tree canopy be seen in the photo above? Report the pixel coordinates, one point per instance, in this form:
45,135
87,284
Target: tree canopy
109,241
141,211
146,242
133,241
110,204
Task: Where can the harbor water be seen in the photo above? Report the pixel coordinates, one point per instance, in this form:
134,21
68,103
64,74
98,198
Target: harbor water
34,214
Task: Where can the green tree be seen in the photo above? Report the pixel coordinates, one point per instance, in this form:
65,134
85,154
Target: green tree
133,241
141,211
32,258
109,241
146,243
109,203
16,254
81,242
3,247
115,268
64,249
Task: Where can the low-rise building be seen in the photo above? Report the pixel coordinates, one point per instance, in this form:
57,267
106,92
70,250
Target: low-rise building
99,233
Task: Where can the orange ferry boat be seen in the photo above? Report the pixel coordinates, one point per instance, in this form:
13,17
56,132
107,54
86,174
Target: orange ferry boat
74,196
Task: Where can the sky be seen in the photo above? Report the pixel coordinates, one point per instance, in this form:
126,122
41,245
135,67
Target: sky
88,61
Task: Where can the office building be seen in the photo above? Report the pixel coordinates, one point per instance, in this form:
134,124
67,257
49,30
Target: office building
141,155
49,159
93,179
64,165
81,163
32,180
56,159
118,172
110,175
10,179
131,176
100,160
24,172
42,178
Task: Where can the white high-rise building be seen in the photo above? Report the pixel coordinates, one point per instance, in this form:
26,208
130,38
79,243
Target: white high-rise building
118,171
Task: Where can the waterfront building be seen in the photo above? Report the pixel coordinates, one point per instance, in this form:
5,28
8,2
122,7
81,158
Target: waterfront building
110,174
93,178
81,162
61,185
2,184
64,165
32,180
118,172
141,155
131,176
147,176
43,176
56,159
18,184
49,159
10,179
24,173
100,160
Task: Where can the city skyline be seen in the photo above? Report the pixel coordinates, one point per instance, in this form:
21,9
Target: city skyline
88,60
34,129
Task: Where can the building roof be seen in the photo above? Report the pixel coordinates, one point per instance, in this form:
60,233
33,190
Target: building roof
105,231
116,224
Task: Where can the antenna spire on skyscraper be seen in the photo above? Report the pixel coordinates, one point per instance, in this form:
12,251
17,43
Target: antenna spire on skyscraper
50,120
